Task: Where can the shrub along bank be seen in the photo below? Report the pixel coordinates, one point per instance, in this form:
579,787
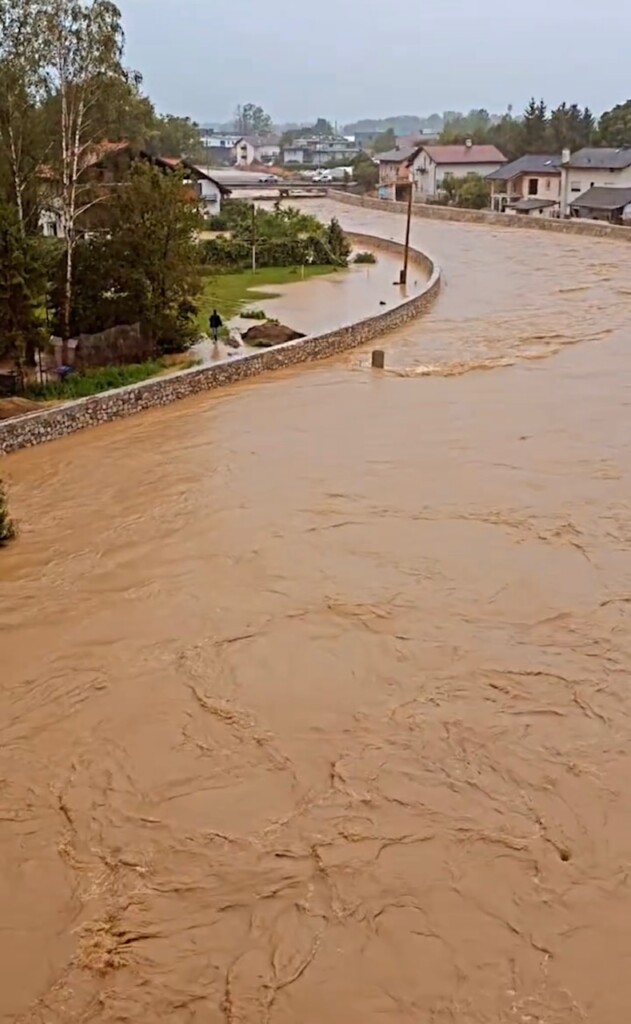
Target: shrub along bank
284,237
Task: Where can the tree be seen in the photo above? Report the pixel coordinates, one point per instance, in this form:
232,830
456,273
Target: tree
473,192
614,127
22,81
7,526
385,141
154,246
21,283
535,127
366,172
323,129
250,119
175,136
337,242
86,45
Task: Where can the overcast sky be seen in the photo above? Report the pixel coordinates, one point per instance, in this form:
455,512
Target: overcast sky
346,59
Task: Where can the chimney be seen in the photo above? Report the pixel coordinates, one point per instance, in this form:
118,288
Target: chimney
468,143
565,157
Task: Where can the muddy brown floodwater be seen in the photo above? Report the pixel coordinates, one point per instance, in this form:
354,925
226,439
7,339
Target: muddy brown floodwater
315,696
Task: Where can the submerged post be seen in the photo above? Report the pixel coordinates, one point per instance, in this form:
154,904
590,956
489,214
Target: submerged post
378,359
403,279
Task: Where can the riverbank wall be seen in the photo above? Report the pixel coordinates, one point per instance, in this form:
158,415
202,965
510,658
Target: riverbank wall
54,422
486,217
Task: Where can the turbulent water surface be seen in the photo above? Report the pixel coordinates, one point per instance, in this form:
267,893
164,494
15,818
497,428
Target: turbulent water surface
315,693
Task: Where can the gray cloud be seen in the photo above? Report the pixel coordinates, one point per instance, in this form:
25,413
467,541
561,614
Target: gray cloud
345,60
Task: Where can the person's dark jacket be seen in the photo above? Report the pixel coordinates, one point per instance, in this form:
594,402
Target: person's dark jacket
216,322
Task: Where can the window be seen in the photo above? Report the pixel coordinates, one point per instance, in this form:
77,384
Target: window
575,186
533,186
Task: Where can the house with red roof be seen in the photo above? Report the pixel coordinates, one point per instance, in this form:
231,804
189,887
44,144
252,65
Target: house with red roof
432,163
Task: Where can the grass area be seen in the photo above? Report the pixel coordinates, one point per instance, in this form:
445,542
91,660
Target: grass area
229,293
80,385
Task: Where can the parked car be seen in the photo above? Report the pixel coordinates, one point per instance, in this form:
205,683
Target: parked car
268,179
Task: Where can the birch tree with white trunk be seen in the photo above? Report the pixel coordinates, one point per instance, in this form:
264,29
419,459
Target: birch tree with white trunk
85,45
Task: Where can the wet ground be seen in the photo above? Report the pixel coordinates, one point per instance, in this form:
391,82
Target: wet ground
319,304
314,694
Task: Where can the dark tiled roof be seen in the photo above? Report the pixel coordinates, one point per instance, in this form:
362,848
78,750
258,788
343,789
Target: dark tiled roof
399,155
531,203
605,159
532,163
603,197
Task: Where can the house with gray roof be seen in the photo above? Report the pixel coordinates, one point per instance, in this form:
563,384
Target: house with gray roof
596,168
530,185
604,203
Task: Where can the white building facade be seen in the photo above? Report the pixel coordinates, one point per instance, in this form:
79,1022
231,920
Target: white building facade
251,150
432,164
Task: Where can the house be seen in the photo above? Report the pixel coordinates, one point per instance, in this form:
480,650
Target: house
602,202
394,170
209,190
530,185
219,145
434,162
255,149
594,168
107,167
319,152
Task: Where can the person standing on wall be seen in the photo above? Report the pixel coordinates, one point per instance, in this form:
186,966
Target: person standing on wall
215,324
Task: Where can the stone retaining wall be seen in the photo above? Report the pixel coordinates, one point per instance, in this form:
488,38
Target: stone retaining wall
48,424
488,217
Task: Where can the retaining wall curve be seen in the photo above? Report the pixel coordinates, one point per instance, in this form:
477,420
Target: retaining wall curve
51,423
488,217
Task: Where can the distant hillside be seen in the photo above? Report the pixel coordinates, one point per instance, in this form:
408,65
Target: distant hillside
401,124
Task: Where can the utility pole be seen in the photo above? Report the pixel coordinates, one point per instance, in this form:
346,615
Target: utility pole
403,277
253,238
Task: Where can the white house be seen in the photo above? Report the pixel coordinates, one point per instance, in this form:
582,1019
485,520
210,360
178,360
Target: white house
594,168
210,190
530,185
252,149
432,164
219,145
319,151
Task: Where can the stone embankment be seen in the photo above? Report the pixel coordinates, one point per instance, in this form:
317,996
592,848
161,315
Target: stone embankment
54,422
487,217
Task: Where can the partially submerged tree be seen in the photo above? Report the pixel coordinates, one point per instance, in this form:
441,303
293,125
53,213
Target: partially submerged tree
7,526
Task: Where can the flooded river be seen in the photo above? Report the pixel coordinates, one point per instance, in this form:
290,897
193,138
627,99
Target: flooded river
314,692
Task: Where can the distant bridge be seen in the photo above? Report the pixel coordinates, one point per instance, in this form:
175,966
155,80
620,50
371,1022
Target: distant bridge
277,186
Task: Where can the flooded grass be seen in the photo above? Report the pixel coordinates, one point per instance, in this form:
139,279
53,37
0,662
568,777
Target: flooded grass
229,293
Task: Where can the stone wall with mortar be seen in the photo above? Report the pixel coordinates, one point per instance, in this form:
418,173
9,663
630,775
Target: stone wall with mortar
51,423
504,220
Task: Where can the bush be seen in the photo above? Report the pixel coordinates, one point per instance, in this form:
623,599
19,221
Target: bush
7,526
253,314
231,254
80,385
365,257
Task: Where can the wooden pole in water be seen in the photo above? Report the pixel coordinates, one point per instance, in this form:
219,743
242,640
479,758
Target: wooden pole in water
403,279
378,359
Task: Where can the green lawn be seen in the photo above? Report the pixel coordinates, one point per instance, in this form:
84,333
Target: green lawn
81,385
228,293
